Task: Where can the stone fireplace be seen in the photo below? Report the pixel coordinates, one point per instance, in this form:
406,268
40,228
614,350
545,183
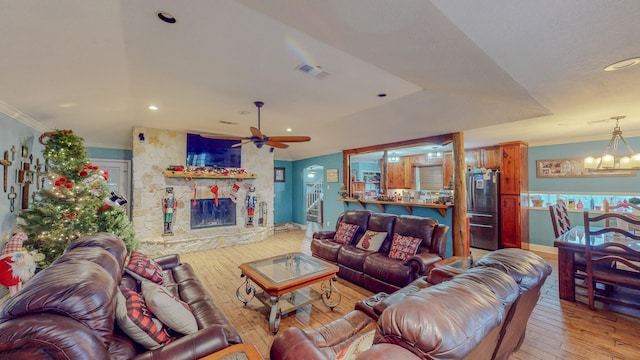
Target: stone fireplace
162,148
205,213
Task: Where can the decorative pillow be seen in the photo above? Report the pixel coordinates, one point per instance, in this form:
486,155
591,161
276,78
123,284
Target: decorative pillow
135,320
371,240
142,267
403,246
345,233
360,345
172,311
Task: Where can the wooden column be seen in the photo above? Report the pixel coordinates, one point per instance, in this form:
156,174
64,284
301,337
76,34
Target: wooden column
460,232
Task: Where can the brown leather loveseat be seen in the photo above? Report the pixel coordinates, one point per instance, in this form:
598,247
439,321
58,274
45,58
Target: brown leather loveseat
479,314
375,270
68,310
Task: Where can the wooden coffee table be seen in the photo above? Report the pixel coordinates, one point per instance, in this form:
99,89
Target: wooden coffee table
286,282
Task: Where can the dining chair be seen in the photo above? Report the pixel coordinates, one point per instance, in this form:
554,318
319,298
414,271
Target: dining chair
635,210
561,224
606,245
560,218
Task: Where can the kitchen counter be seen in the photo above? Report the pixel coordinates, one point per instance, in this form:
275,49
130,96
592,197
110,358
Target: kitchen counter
442,209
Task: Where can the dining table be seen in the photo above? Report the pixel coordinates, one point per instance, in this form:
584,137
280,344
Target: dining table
573,242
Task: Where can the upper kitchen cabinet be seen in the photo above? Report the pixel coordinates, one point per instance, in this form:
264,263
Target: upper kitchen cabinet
399,174
486,157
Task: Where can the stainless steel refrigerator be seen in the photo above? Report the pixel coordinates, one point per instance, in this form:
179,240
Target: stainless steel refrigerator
483,208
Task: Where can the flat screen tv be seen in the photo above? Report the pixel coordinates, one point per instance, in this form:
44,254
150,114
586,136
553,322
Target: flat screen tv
203,151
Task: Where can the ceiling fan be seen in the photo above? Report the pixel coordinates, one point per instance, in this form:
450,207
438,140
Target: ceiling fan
258,138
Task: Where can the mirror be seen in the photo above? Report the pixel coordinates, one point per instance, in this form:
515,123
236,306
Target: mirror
404,168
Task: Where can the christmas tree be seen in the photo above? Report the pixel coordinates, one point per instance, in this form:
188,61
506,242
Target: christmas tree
77,202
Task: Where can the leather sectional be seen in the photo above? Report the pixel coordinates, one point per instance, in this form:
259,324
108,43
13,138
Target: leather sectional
68,310
376,271
479,314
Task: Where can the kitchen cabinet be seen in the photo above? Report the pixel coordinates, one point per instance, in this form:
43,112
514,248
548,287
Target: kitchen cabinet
514,198
395,175
402,174
486,157
510,221
447,168
513,168
358,189
490,157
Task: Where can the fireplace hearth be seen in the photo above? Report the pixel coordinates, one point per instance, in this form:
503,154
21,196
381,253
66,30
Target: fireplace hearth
205,213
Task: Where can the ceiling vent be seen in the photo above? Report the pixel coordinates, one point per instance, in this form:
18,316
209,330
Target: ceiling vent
316,71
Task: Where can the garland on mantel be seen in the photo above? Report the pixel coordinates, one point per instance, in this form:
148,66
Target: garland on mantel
204,171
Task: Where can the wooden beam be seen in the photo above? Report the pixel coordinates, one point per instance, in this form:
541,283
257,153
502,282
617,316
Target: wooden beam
459,232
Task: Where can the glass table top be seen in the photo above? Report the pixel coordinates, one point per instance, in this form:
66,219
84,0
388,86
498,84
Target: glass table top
287,267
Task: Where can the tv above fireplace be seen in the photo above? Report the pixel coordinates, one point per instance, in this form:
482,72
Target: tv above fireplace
203,151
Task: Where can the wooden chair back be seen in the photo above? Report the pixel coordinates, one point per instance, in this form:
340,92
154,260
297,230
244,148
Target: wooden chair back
560,218
635,210
616,245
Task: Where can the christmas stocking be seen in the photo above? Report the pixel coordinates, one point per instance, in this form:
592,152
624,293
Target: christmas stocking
234,192
214,190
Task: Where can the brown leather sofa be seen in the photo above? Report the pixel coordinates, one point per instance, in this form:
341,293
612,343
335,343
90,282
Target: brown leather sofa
67,311
479,314
375,271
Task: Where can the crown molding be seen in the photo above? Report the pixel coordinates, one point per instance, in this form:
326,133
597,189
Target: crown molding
19,116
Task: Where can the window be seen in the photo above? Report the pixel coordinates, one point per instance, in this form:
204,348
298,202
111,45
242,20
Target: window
430,177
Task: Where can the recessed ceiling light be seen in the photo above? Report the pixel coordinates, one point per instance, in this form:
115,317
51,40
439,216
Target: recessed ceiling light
166,17
153,107
244,112
289,129
623,64
382,95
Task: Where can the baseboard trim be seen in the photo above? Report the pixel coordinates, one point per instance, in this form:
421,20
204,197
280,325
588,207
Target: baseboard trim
543,248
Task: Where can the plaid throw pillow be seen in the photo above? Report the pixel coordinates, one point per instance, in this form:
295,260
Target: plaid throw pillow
403,246
135,319
142,268
345,233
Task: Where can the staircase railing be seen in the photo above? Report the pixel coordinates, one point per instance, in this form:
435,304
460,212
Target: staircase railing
315,202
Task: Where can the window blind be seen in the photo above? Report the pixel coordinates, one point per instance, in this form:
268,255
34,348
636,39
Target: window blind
430,177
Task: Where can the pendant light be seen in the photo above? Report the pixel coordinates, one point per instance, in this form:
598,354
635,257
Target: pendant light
611,160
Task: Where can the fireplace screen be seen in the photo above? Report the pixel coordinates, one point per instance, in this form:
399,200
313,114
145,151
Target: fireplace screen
205,213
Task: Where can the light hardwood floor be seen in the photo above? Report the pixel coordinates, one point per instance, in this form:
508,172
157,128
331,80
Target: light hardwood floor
556,330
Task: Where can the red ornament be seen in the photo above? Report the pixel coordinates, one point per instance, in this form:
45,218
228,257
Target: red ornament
68,185
58,183
63,179
83,173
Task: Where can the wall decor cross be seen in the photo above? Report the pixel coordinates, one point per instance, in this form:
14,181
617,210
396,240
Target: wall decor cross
5,164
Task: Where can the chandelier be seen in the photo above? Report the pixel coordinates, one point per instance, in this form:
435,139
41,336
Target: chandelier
393,158
611,160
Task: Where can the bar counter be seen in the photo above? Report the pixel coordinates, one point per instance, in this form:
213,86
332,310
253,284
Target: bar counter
408,205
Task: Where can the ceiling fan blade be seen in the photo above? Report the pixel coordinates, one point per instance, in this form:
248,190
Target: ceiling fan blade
289,138
223,137
276,144
256,132
241,143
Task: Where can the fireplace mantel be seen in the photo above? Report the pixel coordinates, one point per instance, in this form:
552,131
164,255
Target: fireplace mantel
205,175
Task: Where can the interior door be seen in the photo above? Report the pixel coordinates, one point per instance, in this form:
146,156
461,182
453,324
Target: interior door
119,177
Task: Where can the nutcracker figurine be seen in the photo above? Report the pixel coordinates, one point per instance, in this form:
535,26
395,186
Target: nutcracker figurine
169,205
250,202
